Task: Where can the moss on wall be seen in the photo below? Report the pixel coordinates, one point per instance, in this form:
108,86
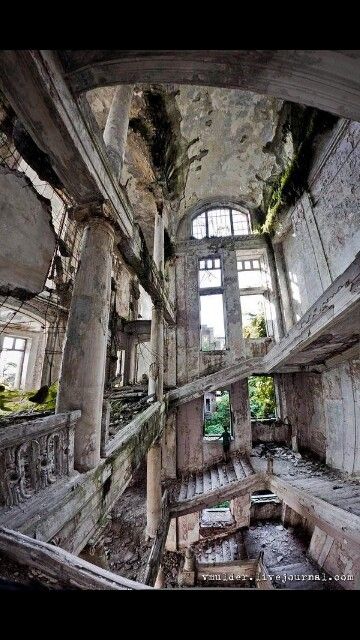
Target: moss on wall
300,127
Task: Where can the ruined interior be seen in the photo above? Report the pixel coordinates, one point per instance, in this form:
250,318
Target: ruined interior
179,259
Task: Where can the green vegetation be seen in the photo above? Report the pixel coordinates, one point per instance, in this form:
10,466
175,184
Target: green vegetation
301,125
256,327
262,397
16,401
222,505
215,423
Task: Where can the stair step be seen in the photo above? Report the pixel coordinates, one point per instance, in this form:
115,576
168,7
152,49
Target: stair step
240,475
215,483
222,478
191,488
199,484
207,481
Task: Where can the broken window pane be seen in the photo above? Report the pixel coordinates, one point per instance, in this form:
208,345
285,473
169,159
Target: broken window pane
240,223
212,330
199,226
210,278
219,223
209,273
253,316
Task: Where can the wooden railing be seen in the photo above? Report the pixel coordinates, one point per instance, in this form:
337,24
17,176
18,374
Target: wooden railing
147,423
33,455
64,569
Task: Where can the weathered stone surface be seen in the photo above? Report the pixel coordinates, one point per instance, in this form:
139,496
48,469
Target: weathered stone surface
27,237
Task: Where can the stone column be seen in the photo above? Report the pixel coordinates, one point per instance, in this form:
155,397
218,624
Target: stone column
153,490
156,382
233,318
84,357
283,286
156,372
116,128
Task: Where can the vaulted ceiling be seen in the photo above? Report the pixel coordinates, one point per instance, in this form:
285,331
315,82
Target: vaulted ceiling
187,144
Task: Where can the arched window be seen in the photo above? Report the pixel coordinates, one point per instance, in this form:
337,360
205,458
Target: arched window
220,222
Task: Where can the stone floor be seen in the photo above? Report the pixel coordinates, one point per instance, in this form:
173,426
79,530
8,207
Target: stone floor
305,472
284,552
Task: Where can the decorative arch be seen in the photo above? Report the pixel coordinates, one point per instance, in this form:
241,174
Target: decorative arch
238,223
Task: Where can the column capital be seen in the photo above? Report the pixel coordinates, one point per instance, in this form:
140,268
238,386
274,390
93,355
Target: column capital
93,213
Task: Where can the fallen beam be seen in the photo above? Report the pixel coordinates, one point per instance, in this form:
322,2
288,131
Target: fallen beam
69,570
153,563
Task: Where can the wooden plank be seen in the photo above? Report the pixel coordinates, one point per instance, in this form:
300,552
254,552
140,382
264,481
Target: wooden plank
207,481
248,470
222,479
233,548
190,488
243,568
56,563
240,474
215,481
183,490
153,563
199,483
227,555
230,472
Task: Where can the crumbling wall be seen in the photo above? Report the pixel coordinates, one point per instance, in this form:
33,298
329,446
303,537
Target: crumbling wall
302,397
190,435
324,235
339,559
324,413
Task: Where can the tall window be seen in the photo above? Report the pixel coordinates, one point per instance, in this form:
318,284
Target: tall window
262,397
221,222
212,321
12,361
252,288
217,413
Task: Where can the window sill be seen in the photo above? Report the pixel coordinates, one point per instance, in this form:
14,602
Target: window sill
214,352
215,439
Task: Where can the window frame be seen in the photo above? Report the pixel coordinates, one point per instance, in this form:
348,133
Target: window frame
214,208
209,291
260,290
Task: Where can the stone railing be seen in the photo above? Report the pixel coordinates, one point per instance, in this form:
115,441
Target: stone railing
33,455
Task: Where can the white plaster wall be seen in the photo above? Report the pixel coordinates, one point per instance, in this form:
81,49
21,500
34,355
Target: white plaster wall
341,397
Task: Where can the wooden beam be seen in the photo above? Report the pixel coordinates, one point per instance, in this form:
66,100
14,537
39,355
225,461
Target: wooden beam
68,570
214,381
